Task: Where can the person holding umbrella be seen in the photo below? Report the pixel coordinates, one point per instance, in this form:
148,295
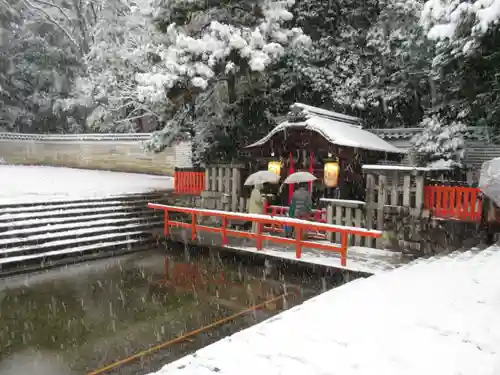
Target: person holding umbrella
256,201
256,204
301,203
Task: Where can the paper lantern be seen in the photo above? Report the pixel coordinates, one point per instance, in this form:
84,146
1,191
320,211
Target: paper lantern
331,178
275,167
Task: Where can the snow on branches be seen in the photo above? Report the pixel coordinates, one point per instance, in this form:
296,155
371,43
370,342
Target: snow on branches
133,70
459,22
440,142
193,60
219,49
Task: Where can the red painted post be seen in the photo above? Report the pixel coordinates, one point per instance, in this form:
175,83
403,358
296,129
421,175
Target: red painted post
298,241
193,226
290,186
343,250
189,182
266,207
165,227
224,230
258,241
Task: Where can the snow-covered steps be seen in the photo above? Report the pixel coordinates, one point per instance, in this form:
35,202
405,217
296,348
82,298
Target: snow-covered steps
54,258
35,239
61,244
47,234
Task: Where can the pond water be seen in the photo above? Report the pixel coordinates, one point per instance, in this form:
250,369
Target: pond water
77,319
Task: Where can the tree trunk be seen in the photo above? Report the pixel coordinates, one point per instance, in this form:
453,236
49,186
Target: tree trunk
231,88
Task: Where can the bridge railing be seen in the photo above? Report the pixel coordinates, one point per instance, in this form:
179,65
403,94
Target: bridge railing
301,227
316,215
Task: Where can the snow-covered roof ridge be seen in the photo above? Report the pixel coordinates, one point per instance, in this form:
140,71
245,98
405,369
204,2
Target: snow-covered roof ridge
473,133
326,114
336,128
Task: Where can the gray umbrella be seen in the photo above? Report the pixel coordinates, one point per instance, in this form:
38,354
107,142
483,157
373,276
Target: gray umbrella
261,177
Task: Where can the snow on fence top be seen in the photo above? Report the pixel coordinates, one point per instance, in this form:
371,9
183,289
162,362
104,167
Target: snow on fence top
337,128
76,137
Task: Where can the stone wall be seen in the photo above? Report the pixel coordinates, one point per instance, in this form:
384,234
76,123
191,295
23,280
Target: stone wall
117,152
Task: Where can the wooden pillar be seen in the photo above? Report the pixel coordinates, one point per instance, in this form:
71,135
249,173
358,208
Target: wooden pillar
235,193
311,169
290,186
382,198
370,187
220,179
208,180
214,179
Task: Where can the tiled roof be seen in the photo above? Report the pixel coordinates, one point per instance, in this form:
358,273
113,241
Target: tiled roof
335,127
473,133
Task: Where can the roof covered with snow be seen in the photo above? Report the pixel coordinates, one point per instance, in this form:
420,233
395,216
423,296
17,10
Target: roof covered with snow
436,316
337,128
472,133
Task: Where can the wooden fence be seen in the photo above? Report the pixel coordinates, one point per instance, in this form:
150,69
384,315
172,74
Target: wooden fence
348,213
223,187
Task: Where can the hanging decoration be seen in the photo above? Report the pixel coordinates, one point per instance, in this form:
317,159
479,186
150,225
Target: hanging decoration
331,178
275,167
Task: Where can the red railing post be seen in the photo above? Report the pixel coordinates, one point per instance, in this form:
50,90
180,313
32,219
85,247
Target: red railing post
165,226
298,239
189,183
343,249
193,226
258,240
224,231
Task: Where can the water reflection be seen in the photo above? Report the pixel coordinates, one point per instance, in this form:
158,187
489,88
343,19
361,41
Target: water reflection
84,317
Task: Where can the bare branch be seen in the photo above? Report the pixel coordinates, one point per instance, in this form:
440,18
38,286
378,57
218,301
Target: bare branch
55,23
51,4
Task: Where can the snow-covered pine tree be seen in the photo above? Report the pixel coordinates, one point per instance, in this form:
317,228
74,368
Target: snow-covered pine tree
216,52
440,144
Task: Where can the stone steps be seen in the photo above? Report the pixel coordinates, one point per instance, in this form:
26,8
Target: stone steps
40,235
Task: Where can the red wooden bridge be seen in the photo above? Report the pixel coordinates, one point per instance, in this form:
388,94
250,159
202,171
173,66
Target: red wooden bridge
301,229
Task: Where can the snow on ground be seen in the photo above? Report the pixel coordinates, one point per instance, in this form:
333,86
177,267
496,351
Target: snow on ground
359,259
437,316
19,184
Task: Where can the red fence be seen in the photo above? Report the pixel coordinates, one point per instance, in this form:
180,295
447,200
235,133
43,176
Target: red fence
457,202
300,227
189,182
318,216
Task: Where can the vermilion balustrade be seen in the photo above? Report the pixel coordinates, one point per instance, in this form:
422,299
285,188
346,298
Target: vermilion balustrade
299,226
189,182
318,216
462,203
